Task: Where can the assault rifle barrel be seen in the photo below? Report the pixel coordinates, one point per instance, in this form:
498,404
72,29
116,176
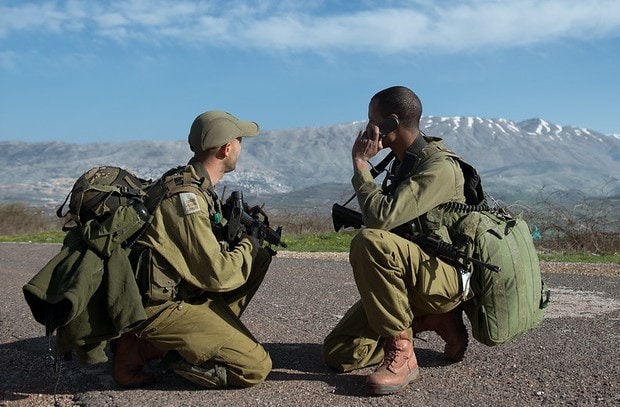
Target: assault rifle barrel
344,217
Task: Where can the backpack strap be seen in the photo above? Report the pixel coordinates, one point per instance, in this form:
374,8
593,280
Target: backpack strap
183,181
172,182
475,196
176,181
168,184
60,208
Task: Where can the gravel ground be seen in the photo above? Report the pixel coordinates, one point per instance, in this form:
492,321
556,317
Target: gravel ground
571,359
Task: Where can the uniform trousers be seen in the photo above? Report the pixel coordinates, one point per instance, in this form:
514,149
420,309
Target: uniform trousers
397,281
208,328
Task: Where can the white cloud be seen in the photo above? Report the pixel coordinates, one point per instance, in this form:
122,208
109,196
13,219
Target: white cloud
401,26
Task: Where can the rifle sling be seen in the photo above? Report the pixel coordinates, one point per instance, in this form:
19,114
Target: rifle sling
378,169
411,156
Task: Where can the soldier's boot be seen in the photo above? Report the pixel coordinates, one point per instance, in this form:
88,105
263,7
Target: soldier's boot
450,327
398,368
210,375
131,355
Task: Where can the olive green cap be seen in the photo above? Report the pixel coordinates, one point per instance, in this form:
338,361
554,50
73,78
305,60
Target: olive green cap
216,128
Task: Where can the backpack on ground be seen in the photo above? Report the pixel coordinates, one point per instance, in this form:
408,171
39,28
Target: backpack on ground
508,302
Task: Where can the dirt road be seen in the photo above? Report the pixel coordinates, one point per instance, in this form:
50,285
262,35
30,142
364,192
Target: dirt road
572,359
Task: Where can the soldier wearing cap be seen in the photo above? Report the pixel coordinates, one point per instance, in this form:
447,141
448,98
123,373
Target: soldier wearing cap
195,285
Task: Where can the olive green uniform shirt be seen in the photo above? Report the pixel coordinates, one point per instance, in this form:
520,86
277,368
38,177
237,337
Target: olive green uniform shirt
434,179
185,247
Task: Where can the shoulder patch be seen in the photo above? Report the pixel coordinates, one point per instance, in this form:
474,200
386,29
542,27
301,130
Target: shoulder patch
189,201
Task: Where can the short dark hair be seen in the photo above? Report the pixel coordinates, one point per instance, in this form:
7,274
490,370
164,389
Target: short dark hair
401,101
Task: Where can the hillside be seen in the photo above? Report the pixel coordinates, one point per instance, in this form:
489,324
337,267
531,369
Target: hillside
306,167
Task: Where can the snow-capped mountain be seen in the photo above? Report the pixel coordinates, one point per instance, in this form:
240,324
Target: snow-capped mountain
516,160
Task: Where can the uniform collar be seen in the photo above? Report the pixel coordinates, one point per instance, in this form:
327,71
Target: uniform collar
200,170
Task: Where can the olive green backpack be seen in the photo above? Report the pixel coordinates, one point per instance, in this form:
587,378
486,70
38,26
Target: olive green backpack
508,302
501,304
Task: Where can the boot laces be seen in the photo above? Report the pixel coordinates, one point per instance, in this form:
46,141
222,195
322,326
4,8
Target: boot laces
392,351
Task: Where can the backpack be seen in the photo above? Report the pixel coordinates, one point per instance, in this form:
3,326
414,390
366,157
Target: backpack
508,302
99,192
111,205
87,293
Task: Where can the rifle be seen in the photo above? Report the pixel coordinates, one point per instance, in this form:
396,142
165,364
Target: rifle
253,221
344,217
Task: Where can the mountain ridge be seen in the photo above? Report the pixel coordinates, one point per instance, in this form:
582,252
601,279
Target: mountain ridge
516,159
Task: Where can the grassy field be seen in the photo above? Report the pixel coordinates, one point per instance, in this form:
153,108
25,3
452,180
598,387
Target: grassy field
592,237
335,242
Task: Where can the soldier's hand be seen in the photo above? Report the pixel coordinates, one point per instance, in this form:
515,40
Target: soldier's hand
366,145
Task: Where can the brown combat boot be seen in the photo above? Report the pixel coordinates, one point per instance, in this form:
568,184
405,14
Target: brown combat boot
130,356
398,368
450,328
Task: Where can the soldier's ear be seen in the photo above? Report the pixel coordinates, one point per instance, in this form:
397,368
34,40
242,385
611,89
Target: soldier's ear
224,151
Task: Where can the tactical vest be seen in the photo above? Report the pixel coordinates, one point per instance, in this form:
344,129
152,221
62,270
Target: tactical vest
419,150
160,282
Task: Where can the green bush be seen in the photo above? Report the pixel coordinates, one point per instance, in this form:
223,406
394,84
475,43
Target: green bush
20,219
590,230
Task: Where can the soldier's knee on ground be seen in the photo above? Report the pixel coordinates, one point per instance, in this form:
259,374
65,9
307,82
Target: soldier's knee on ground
216,375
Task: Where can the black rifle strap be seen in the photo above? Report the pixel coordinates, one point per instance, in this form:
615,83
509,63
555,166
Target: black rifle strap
376,170
411,155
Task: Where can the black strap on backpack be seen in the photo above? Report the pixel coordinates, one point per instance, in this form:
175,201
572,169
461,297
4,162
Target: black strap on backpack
475,196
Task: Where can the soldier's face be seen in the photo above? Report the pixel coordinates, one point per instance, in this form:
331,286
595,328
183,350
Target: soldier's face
233,155
376,119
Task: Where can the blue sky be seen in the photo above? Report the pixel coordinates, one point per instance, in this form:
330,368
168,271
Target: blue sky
86,71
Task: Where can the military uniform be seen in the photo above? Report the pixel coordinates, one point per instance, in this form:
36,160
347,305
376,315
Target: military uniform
397,281
196,288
